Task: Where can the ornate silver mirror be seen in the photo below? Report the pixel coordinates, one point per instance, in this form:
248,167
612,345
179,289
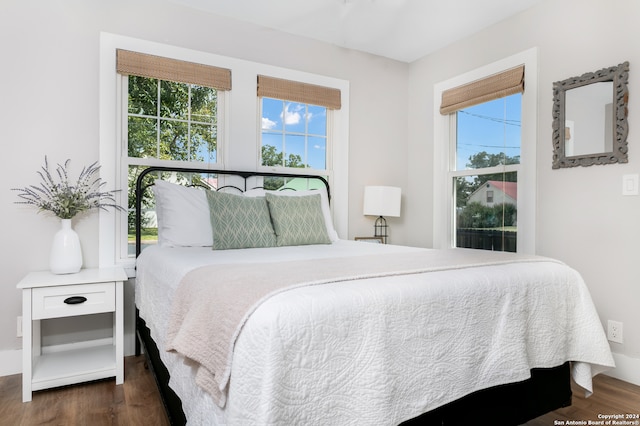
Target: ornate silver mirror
590,118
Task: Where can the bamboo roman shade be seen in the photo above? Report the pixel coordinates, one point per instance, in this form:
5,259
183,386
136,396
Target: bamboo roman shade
487,89
144,65
299,92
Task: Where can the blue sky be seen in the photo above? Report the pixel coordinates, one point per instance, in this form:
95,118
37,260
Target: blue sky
294,120
493,127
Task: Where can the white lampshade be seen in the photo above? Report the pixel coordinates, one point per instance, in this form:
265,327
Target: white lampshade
382,201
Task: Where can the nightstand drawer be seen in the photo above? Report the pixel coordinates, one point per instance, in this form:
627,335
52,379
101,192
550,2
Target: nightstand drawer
71,300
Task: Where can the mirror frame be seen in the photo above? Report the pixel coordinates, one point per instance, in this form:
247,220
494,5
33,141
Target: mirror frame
619,75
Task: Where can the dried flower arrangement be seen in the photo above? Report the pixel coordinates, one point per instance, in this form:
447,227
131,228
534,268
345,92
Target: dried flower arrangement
66,199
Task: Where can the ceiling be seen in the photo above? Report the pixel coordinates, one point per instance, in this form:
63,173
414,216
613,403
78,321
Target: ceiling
404,30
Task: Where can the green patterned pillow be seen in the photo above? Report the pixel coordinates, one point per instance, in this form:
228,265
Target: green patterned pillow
240,222
297,220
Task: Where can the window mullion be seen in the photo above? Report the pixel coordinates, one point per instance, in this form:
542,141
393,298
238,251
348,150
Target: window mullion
284,134
328,143
189,156
305,160
158,121
453,138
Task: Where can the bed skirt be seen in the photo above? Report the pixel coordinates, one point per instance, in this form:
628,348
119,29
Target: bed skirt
171,401
513,404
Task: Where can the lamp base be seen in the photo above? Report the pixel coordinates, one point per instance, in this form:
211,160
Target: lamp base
380,228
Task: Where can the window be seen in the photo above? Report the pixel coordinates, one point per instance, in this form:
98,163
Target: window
171,115
293,134
294,124
485,174
485,158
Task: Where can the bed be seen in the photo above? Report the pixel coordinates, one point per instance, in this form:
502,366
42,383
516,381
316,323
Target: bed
319,330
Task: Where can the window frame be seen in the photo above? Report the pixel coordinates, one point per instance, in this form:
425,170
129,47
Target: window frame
444,155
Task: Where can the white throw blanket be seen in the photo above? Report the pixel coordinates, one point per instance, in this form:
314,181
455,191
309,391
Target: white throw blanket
213,303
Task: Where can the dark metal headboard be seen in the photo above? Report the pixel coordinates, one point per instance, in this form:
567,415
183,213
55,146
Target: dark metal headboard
245,175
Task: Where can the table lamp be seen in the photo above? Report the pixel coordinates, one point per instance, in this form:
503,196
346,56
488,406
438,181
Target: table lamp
381,201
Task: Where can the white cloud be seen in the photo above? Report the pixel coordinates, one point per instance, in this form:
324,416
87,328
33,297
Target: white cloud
268,124
290,117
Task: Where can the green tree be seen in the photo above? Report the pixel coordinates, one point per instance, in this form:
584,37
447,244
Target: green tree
476,216
483,160
186,129
463,191
272,157
507,213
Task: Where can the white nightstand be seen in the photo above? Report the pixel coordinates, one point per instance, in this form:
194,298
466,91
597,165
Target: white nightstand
45,295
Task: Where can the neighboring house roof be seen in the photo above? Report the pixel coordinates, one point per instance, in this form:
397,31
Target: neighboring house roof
509,188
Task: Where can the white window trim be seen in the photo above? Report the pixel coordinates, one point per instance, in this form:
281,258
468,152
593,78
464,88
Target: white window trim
443,218
239,124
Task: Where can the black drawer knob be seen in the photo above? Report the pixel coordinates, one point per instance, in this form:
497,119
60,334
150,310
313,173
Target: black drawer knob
75,300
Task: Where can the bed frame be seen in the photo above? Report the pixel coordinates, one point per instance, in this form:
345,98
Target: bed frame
512,404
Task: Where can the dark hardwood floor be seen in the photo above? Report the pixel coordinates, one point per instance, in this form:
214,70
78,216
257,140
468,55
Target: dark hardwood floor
137,402
610,396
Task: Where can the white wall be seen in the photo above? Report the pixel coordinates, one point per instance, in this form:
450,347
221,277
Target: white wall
50,106
582,217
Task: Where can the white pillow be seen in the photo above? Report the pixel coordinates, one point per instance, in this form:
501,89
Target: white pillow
183,215
324,201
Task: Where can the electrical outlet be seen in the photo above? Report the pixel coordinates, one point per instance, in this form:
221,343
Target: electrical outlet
614,331
19,332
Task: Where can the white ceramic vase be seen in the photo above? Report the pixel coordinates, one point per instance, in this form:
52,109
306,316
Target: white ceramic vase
66,255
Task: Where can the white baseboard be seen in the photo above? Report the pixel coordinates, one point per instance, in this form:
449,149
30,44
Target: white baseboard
10,362
627,369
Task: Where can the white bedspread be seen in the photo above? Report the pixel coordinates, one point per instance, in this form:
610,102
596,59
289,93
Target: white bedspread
381,350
